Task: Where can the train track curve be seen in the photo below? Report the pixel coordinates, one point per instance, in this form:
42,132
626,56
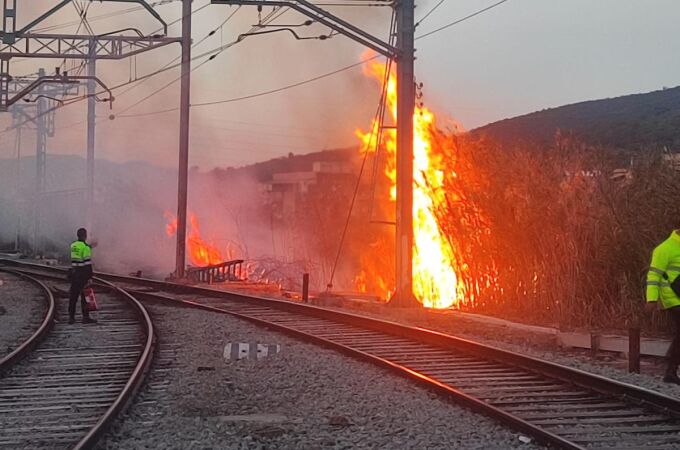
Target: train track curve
557,405
67,383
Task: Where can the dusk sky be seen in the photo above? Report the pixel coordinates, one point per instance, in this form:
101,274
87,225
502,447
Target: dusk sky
521,56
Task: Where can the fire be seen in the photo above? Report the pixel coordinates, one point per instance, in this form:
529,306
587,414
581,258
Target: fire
435,282
201,253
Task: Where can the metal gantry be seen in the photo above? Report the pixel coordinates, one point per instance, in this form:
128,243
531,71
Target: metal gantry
21,42
44,103
403,54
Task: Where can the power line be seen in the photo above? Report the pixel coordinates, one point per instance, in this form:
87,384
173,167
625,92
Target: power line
326,75
121,85
221,49
216,51
141,81
259,94
290,86
456,22
102,16
429,12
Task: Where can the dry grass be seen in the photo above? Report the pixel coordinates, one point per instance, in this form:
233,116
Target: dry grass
547,236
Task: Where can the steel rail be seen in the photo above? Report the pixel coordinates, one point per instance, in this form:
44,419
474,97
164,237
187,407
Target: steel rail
353,334
25,347
138,373
135,380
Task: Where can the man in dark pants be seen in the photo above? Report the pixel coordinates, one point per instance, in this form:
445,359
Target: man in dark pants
81,273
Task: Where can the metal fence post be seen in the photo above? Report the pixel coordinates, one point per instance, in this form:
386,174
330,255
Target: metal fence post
634,350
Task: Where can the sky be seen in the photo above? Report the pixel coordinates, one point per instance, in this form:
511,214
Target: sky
522,56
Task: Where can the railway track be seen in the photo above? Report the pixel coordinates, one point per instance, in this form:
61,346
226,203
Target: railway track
64,385
557,405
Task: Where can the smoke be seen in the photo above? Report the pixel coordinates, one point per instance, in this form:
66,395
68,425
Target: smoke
136,178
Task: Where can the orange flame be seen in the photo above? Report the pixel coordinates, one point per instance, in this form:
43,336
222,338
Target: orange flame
435,282
201,253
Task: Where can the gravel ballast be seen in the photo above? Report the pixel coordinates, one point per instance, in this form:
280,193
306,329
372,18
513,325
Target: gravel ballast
304,397
22,309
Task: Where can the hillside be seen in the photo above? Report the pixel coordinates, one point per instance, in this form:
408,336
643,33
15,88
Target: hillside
629,122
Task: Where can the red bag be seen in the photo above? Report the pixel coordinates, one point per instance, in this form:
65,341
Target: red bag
89,299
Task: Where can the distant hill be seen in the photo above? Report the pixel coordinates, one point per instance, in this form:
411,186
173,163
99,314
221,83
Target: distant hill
630,122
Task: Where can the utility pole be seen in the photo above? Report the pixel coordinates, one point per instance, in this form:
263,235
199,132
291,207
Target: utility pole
185,98
17,186
91,114
40,164
406,98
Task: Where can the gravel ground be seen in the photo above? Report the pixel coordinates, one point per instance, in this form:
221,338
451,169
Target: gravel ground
305,397
22,309
541,346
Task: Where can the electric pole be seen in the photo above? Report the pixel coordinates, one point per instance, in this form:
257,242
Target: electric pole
185,98
17,179
40,164
406,98
91,115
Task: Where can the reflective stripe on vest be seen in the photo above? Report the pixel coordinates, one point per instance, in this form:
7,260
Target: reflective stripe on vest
655,270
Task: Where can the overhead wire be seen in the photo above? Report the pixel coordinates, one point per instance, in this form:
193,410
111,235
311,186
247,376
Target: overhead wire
110,15
261,94
77,99
433,9
463,19
82,11
140,81
157,91
268,92
276,13
102,16
289,86
326,75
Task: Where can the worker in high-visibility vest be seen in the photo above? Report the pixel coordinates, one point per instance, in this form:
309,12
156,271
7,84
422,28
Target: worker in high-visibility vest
80,275
663,271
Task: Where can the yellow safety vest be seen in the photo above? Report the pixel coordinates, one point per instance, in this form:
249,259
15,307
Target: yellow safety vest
81,254
665,268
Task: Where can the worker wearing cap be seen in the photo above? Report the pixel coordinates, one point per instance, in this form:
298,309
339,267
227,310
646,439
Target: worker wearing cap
663,271
81,273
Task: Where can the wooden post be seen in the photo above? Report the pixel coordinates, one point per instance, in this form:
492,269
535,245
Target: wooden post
634,350
305,288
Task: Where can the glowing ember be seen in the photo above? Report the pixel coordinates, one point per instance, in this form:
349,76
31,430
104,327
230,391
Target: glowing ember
201,253
435,282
